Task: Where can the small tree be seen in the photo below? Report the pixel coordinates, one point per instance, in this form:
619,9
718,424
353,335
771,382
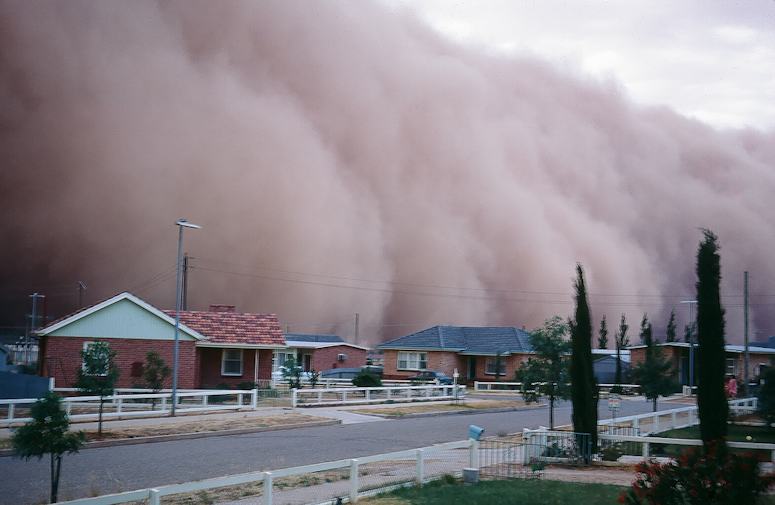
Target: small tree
314,378
766,404
602,339
654,374
645,326
98,374
292,373
47,433
670,334
712,403
155,372
547,374
498,365
583,386
622,341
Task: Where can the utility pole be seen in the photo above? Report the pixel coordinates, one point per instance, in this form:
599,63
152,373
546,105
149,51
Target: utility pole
185,281
81,291
357,317
33,325
745,332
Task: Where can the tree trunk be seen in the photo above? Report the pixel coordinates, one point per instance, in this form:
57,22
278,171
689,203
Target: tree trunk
99,419
56,465
551,412
655,403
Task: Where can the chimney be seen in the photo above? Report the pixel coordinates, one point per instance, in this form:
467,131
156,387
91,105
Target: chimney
218,307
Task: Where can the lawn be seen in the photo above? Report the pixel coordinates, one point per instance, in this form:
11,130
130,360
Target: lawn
736,433
516,492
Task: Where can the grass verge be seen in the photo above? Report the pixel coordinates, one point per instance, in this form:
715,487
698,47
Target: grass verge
516,492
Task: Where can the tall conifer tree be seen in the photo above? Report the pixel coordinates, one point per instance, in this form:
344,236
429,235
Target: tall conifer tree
711,398
602,339
583,387
671,328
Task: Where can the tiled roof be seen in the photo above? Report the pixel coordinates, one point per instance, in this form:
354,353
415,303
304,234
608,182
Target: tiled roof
465,339
308,337
233,327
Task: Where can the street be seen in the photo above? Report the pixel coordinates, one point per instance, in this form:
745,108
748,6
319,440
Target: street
113,469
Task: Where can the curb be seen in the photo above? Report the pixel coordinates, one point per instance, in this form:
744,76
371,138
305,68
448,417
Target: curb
188,436
459,412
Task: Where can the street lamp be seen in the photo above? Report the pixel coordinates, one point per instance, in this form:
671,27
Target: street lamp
181,223
691,304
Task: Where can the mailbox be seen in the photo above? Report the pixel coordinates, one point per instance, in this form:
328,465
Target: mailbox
475,432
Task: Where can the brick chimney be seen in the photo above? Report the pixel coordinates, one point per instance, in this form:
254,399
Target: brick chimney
218,307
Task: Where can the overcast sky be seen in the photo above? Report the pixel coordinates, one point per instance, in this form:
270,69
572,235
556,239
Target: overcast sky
713,60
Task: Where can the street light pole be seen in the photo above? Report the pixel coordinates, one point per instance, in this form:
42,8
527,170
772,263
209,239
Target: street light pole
181,223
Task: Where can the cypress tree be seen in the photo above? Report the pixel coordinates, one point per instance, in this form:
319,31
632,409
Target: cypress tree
602,339
711,399
621,341
583,387
645,328
671,327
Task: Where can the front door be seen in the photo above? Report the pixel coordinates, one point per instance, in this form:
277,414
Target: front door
472,368
307,362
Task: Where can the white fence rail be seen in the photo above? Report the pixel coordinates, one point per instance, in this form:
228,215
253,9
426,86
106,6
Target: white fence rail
132,405
354,489
504,387
352,396
647,441
663,420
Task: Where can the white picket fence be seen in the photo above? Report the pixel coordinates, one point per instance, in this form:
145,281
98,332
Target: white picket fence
663,420
134,405
354,396
511,387
419,456
647,441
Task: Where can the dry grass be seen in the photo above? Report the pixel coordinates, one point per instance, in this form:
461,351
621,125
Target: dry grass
203,426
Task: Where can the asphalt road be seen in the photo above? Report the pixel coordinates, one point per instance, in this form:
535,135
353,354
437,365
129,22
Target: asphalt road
113,469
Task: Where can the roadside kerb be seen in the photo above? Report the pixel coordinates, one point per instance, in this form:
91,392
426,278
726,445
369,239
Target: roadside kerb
494,410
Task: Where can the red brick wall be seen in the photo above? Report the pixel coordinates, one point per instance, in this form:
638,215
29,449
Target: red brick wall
447,361
62,358
325,358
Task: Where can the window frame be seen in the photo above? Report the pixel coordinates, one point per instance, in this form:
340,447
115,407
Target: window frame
734,366
491,361
224,360
412,360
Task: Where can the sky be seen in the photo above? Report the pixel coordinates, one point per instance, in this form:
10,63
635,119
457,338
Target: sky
347,157
713,60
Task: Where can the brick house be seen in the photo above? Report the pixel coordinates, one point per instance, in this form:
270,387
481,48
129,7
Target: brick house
220,346
473,351
678,353
322,352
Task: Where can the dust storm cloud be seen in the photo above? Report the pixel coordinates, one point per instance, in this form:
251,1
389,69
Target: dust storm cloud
343,158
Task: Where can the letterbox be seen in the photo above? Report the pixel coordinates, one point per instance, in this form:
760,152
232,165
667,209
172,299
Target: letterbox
475,432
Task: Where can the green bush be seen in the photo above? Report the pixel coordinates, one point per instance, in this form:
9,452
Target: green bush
612,452
247,385
699,477
367,380
766,395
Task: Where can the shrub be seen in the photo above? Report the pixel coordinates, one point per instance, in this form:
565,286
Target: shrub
612,453
713,477
366,380
767,396
247,385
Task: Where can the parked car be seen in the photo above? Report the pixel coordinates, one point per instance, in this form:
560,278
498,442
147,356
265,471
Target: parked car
279,376
432,376
340,373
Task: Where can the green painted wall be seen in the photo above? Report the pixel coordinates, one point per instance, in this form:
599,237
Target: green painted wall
123,319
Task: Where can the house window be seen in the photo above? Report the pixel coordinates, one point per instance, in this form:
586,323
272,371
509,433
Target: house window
412,360
231,362
282,357
106,349
731,366
489,367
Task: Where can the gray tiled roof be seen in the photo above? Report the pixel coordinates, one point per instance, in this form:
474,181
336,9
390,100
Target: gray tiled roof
308,337
465,339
